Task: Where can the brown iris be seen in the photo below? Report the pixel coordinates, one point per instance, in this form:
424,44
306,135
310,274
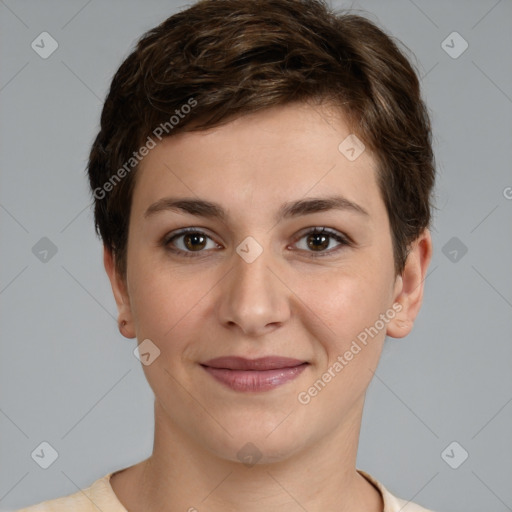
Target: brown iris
194,241
324,243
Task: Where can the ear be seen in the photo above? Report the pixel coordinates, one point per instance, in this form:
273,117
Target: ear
409,286
120,294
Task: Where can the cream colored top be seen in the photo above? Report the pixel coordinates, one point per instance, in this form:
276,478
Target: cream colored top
100,496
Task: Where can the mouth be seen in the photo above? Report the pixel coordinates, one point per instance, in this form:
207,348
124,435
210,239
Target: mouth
262,374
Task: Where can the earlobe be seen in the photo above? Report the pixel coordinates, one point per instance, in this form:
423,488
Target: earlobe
410,285
125,318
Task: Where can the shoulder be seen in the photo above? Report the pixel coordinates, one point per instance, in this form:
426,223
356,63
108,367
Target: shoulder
98,496
391,502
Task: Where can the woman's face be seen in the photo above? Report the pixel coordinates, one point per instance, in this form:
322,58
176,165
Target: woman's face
256,283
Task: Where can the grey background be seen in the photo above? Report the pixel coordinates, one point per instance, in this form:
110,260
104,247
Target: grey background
69,378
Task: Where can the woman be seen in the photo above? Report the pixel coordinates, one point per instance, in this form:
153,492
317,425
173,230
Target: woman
262,182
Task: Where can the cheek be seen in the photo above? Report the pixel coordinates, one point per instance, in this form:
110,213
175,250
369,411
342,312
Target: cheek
163,300
351,344
345,301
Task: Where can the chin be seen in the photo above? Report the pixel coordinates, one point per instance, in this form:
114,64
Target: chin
255,447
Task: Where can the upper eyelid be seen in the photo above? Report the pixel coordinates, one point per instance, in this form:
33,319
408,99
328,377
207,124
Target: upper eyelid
185,231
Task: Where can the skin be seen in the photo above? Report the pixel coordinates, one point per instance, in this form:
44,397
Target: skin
286,302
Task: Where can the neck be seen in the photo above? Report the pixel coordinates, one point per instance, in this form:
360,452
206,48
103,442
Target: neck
182,476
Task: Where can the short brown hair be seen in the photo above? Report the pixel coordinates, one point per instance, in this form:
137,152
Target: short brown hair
226,58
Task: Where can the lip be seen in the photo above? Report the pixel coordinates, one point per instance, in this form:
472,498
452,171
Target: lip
262,363
262,374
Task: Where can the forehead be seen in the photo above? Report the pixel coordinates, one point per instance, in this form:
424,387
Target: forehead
258,159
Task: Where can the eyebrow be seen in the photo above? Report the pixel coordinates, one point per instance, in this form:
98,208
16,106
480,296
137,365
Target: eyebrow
208,209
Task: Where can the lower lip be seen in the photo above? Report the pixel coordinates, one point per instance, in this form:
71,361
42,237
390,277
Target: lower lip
255,380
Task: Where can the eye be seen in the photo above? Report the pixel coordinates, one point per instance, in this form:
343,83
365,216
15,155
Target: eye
317,240
192,242
188,241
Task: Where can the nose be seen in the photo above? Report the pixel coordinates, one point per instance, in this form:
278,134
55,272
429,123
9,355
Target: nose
253,297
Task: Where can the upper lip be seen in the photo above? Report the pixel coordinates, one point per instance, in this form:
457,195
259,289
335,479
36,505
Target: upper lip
262,363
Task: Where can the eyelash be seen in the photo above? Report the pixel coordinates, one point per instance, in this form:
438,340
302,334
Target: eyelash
343,240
